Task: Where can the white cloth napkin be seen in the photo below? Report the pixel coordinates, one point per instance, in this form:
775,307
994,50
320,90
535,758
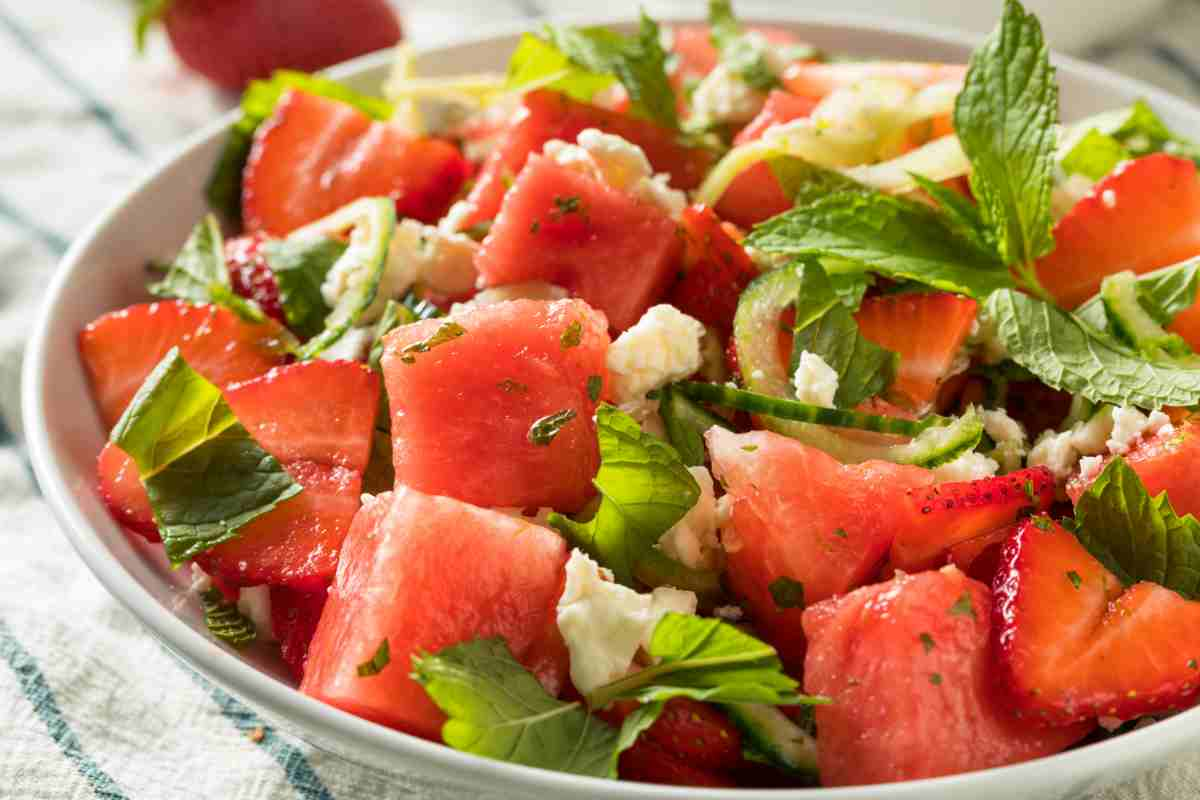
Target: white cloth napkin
91,705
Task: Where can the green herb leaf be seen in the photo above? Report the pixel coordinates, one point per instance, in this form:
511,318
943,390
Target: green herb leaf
686,421
224,189
1164,294
963,607
638,62
1135,128
375,665
742,55
205,475
394,315
448,331
645,489
543,431
538,64
299,267
786,593
571,336
805,183
1067,354
1095,155
1136,536
497,709
224,620
707,660
894,237
1074,578
927,642
962,214
198,274
1005,118
595,384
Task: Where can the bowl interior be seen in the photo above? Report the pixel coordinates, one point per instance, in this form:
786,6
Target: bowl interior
105,270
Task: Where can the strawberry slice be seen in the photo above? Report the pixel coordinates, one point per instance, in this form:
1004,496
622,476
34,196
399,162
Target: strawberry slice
716,270
979,558
251,276
122,491
927,330
1074,644
908,668
647,762
815,80
294,618
121,348
546,115
316,418
947,514
1165,463
314,155
697,734
1144,215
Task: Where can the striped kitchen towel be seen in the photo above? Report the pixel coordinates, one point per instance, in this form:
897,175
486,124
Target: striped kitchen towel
90,705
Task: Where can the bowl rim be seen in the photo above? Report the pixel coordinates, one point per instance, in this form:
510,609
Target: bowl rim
288,703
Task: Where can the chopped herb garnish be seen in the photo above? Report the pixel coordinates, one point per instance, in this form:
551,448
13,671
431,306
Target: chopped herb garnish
840,533
1074,578
963,607
594,385
382,657
511,386
446,332
224,620
1191,664
749,448
479,230
543,431
1042,523
935,678
535,226
567,205
926,642
1029,490
572,336
787,593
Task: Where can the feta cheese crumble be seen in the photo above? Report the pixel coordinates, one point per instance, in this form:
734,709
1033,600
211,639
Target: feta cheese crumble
645,413
1130,424
1060,452
693,540
722,97
663,346
619,163
967,467
1010,439
527,290
816,382
604,623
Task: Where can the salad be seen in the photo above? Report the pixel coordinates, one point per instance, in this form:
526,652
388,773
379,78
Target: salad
687,406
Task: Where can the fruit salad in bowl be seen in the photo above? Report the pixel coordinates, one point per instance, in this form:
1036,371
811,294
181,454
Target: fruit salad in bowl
686,406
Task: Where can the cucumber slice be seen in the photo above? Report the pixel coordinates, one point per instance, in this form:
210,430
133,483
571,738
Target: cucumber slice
686,421
1132,323
768,733
756,328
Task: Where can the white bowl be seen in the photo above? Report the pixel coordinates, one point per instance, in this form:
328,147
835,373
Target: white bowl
104,270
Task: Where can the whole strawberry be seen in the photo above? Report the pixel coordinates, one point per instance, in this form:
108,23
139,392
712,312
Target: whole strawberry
231,42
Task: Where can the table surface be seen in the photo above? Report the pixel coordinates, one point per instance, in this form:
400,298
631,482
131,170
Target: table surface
93,707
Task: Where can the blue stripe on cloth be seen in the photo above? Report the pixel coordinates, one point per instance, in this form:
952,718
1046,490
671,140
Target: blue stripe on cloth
57,243
300,774
103,114
1179,62
37,691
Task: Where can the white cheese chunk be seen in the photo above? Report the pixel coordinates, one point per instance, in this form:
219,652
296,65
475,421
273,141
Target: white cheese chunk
1009,436
816,382
663,346
724,98
967,467
619,163
693,540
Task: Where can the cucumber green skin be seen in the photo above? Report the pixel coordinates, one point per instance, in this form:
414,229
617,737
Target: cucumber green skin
766,732
1131,322
686,421
755,331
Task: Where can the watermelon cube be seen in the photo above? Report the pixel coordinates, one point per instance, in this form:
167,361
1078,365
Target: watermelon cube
560,226
465,393
423,573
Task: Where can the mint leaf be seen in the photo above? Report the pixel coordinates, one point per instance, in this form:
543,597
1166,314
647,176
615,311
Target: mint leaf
538,64
1136,128
224,189
644,487
707,660
1136,536
962,214
637,61
743,55
544,430
205,475
891,236
497,709
224,621
686,421
804,182
1068,354
1095,155
827,328
199,274
299,267
1005,119
1164,294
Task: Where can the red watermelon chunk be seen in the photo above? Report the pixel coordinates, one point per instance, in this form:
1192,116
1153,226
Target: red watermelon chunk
800,515
907,664
1167,462
120,348
546,115
462,411
425,573
557,225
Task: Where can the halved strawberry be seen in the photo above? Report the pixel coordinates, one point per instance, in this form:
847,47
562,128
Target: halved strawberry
314,155
294,618
698,734
1165,463
716,269
1144,215
1073,643
907,665
927,330
979,558
251,276
546,115
947,514
316,417
817,79
123,493
121,348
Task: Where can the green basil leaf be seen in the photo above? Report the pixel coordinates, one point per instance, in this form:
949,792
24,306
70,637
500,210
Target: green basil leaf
299,267
644,487
199,274
1136,536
